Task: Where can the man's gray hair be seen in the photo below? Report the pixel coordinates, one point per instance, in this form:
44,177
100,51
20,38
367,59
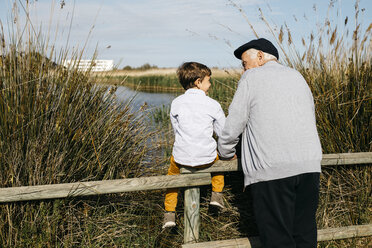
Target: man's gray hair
253,52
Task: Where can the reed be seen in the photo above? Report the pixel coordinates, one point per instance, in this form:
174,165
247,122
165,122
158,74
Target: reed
337,67
222,88
148,83
58,126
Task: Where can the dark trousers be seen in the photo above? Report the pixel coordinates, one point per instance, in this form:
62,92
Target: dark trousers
285,211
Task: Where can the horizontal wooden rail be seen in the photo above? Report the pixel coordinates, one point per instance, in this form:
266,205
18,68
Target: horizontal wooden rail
347,158
328,160
52,191
323,235
191,233
192,181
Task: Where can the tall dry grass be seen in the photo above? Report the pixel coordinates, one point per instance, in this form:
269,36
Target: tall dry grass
59,126
337,66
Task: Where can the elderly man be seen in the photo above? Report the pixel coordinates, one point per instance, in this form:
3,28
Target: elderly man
273,109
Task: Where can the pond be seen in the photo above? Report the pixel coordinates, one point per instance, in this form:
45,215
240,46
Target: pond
152,100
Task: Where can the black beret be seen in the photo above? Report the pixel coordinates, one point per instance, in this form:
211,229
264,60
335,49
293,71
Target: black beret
259,44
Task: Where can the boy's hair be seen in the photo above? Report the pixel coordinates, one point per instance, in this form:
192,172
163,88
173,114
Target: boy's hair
189,72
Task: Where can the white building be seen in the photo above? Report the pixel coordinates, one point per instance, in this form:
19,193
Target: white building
96,65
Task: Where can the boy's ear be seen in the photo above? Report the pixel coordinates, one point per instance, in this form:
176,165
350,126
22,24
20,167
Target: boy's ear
197,81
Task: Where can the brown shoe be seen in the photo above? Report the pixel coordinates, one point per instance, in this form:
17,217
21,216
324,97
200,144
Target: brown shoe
169,219
217,199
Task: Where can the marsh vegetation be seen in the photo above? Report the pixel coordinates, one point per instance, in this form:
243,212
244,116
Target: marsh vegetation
58,126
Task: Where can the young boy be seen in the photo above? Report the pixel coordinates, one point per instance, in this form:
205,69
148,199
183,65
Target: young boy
194,117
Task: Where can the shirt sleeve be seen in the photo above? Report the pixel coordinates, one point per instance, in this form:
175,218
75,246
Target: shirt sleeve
219,121
173,119
236,120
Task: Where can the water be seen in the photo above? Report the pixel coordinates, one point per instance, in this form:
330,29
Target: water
152,100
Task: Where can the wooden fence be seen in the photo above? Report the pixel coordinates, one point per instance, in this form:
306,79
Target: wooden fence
191,179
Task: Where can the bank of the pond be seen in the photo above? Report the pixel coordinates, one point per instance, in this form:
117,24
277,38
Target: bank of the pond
222,88
142,99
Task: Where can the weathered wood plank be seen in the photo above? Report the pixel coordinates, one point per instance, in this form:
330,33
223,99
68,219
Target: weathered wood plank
101,187
323,235
191,213
347,158
345,232
219,166
252,242
328,160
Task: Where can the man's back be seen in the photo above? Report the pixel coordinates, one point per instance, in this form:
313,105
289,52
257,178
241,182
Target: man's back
281,119
274,107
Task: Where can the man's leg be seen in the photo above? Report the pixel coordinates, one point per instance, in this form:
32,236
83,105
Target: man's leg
274,207
305,231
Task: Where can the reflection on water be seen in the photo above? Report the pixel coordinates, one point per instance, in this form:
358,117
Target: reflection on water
152,100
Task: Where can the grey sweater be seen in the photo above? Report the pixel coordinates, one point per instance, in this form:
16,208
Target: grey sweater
273,109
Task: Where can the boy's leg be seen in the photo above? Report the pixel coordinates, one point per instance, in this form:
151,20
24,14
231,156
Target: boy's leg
218,180
170,202
217,187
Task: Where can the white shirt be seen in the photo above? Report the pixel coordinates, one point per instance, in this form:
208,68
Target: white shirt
194,117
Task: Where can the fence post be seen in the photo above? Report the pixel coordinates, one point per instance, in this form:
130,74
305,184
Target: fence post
192,218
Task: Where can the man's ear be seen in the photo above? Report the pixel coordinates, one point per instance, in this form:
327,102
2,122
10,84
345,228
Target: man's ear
260,57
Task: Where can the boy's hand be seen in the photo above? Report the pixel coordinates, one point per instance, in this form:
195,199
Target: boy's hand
229,159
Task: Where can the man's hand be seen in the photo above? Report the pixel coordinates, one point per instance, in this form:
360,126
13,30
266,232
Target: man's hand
229,159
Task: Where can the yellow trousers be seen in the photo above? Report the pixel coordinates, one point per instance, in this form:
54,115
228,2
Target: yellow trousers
170,202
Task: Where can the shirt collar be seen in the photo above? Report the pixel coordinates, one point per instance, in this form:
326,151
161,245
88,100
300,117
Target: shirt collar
195,91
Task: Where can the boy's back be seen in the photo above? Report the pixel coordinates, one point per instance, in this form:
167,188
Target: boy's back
194,117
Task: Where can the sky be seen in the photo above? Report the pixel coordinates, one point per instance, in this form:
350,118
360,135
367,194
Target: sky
167,33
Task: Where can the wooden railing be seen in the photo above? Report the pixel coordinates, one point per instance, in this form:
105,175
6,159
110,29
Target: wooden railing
191,179
192,220
42,192
254,242
327,160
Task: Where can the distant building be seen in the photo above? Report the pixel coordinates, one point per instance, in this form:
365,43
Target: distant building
96,65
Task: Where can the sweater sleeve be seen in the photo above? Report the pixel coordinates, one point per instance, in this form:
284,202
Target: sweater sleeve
236,120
